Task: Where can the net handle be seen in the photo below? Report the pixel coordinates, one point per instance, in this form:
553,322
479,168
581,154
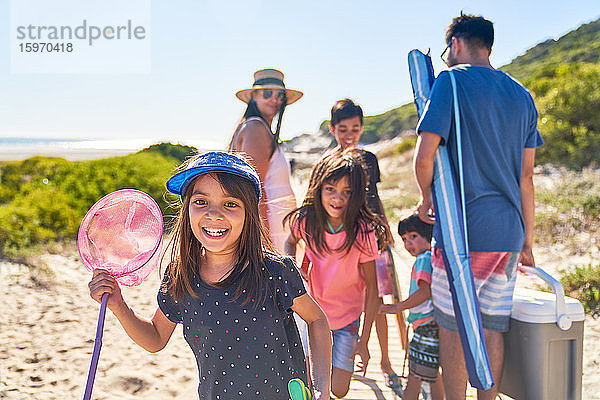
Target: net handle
97,347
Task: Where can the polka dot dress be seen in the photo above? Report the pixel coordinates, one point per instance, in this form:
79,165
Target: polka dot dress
242,351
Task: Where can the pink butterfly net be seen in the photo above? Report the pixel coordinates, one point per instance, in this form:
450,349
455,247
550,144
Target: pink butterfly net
121,233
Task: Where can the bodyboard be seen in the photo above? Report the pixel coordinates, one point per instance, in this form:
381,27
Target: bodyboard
449,214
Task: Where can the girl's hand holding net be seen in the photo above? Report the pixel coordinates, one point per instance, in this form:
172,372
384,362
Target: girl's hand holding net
103,282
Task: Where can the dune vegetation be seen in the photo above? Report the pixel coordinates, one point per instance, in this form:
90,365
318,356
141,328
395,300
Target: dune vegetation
43,199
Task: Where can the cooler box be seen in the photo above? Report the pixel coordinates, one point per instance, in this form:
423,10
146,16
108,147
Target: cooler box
544,345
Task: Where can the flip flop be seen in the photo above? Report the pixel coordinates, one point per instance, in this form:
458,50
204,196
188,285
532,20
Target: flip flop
298,390
393,382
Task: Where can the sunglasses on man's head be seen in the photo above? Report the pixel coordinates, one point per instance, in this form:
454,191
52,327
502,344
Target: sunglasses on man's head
267,93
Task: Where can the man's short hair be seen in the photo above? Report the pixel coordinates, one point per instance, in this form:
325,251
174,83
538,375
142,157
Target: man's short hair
415,224
477,31
345,109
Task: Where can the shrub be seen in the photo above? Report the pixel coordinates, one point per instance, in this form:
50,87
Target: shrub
567,97
36,218
584,284
44,199
177,151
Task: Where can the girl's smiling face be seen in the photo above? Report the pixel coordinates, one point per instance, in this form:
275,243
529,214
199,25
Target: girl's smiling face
335,197
216,218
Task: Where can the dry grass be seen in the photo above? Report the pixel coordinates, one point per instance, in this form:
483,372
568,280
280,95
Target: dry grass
568,209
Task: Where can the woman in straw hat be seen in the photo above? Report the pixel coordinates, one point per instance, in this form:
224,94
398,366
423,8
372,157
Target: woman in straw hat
267,98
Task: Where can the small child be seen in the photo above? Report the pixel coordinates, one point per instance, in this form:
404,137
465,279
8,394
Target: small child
346,126
234,299
341,235
424,350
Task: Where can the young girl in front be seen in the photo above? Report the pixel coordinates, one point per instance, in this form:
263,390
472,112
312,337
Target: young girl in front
234,299
341,237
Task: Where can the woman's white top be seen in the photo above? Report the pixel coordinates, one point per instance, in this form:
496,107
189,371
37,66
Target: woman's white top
279,196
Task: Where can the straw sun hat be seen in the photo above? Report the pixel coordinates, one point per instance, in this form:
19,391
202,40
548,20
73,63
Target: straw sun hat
269,79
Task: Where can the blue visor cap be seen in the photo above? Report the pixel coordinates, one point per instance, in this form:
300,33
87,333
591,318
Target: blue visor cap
214,161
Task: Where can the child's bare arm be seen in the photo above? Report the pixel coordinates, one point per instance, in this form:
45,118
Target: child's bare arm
151,335
371,302
319,336
419,296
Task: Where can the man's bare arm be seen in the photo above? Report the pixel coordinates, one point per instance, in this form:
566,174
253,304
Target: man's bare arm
427,144
528,206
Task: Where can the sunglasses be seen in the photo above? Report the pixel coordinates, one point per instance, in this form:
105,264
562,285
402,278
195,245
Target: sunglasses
444,56
267,93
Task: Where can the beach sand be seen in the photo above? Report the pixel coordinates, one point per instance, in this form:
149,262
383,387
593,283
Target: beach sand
48,323
47,334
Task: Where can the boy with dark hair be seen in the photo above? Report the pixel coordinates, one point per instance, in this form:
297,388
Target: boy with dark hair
345,109
347,127
498,121
423,359
414,224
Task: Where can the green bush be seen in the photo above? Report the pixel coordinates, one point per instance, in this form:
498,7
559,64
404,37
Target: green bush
177,151
584,284
15,176
44,199
389,124
36,219
567,97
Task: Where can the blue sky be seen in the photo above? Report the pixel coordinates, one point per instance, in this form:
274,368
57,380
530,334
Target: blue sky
202,52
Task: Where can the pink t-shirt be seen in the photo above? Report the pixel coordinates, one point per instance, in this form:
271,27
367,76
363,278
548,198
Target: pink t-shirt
335,279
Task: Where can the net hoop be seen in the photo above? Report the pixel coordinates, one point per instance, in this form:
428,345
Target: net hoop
125,273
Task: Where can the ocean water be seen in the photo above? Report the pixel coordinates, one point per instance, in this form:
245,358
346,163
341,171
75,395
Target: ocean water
20,148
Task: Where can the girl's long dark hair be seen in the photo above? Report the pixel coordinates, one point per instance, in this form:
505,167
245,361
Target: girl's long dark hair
187,251
253,111
310,219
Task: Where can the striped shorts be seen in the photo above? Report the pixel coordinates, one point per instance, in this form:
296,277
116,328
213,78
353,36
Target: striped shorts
424,353
494,275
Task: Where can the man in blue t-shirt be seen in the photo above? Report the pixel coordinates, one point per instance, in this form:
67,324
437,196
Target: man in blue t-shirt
499,138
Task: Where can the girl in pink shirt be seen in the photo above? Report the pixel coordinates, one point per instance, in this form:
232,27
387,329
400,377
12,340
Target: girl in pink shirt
341,237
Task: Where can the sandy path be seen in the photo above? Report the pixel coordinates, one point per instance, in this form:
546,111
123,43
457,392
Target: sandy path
47,330
47,333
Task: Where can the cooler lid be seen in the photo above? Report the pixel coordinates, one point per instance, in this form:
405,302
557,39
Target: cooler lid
540,307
